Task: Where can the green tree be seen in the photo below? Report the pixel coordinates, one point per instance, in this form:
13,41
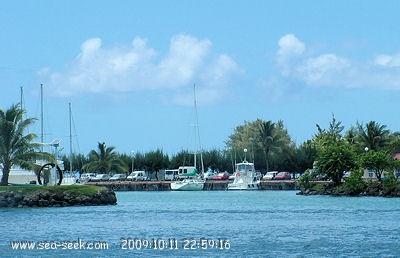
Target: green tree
155,161
105,160
261,136
335,159
373,135
217,159
77,162
354,184
332,135
16,147
378,161
305,156
393,145
272,138
182,158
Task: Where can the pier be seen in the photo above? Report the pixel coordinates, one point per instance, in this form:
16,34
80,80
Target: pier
210,185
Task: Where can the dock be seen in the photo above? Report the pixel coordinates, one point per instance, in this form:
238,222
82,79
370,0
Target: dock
210,185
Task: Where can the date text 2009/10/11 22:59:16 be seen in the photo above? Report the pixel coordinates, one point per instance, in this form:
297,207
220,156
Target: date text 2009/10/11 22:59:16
174,243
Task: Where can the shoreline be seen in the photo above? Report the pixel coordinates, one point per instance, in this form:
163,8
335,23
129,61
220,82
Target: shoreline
55,196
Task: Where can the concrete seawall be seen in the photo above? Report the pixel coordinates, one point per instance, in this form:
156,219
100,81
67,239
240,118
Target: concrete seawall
210,185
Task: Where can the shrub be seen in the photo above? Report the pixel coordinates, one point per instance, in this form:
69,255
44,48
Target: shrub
354,184
389,184
304,180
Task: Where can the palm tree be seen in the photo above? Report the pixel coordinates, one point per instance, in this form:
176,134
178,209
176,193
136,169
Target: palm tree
105,160
269,138
374,136
15,147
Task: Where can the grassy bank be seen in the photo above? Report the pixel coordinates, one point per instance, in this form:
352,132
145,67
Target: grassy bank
66,189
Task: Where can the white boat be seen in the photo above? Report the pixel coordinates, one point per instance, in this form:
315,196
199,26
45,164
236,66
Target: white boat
246,177
191,181
189,184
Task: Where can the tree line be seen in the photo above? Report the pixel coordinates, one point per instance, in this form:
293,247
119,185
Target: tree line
268,143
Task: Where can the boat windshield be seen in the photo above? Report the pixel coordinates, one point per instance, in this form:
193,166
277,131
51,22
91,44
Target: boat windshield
244,167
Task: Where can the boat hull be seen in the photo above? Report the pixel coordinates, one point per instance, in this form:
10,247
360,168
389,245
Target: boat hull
187,185
244,186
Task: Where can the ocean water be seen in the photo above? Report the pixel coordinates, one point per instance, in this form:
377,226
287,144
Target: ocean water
208,224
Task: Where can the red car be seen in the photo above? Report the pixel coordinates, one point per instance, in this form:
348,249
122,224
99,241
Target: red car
283,176
222,176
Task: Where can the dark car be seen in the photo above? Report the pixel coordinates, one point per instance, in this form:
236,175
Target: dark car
283,176
222,176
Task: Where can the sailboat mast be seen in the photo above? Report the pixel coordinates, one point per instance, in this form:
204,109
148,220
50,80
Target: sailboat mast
41,116
197,132
70,138
22,99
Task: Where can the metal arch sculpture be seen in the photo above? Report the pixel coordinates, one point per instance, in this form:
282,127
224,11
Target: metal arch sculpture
46,166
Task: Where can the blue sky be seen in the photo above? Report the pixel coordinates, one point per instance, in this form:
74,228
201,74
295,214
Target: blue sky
128,67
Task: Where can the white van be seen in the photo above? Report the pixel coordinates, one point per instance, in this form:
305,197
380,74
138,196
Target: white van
170,174
137,176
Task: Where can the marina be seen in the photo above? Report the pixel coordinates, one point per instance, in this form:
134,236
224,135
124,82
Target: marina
209,185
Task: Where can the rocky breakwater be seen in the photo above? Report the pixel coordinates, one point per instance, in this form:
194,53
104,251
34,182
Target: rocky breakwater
55,196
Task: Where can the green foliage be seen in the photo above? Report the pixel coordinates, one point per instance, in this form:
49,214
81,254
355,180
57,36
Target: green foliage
182,158
320,187
373,135
71,189
354,184
304,180
378,161
336,158
304,156
216,159
329,136
106,160
389,183
16,147
155,161
263,137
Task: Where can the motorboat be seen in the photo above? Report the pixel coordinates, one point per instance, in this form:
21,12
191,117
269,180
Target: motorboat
246,178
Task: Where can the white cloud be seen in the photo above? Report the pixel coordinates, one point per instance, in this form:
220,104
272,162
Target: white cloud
99,69
387,60
290,46
332,70
290,50
185,58
323,69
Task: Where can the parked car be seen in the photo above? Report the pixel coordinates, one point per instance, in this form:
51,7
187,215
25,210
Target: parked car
86,177
118,177
222,176
270,175
100,177
283,176
209,175
137,176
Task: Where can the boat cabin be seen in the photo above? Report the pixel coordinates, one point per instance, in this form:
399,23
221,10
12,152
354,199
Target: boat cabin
245,167
187,171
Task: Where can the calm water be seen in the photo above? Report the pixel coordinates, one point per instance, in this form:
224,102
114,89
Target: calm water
250,224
